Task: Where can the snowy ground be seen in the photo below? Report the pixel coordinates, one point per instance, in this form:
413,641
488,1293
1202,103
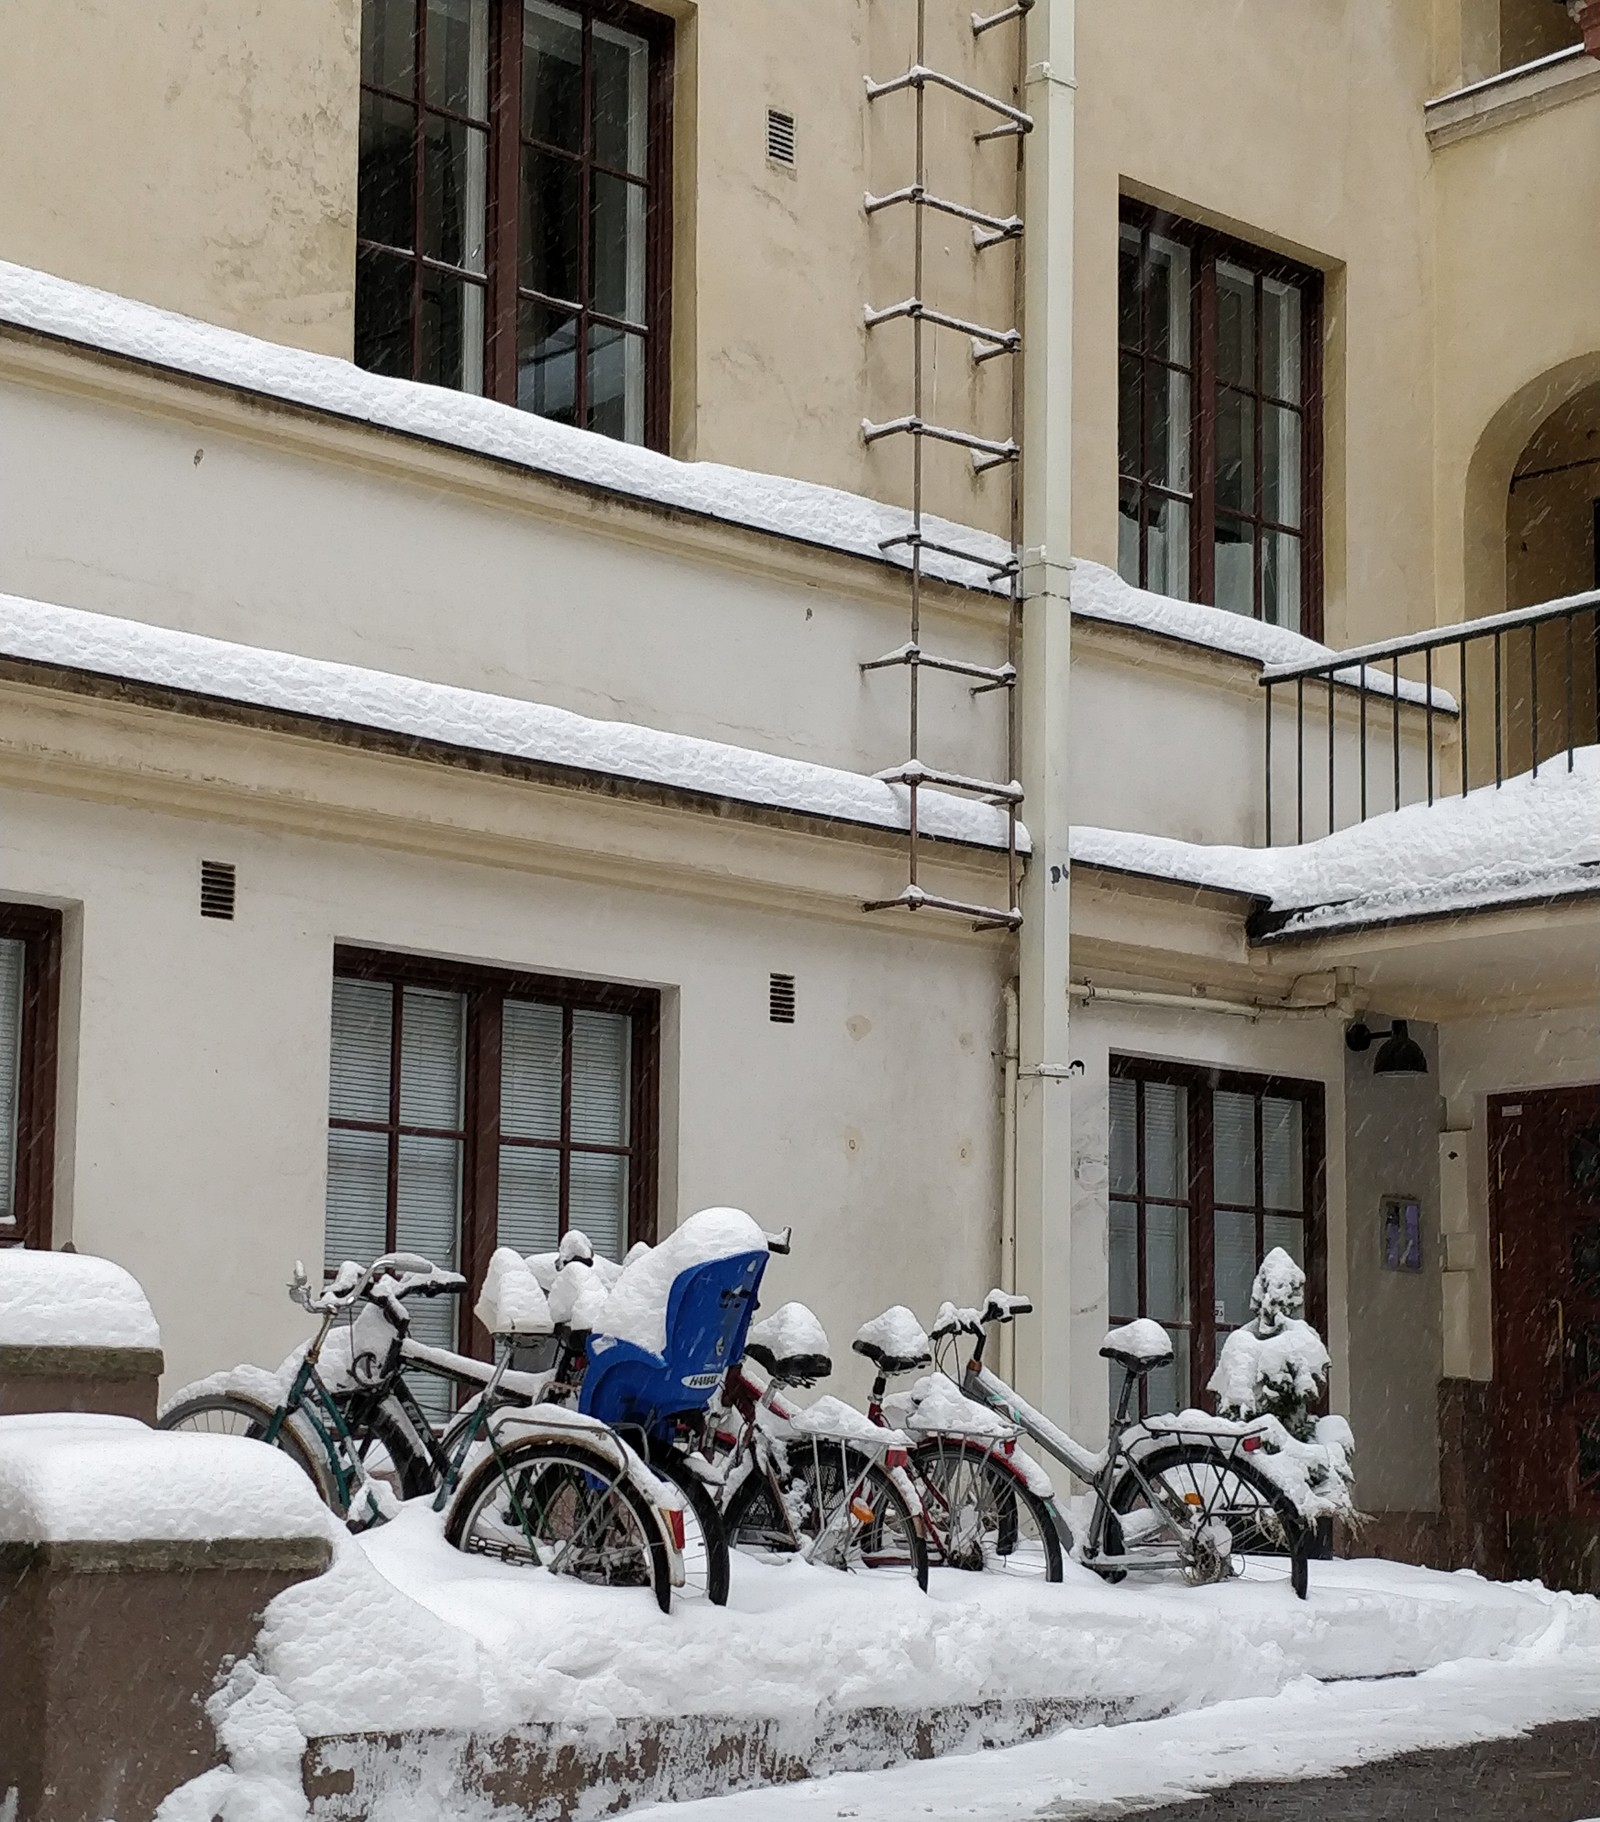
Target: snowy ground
405,1633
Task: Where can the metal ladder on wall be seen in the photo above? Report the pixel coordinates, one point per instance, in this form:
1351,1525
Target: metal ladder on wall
988,343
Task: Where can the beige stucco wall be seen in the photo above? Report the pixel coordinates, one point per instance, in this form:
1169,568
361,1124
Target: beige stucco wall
198,154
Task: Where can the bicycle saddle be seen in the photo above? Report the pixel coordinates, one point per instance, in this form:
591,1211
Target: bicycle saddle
1140,1346
792,1345
894,1342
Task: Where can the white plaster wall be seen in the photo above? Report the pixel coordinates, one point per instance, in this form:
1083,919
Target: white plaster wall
195,1080
1311,1049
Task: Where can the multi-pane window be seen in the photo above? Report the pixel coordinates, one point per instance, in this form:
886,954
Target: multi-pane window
513,204
29,973
1208,1172
468,1111
1218,349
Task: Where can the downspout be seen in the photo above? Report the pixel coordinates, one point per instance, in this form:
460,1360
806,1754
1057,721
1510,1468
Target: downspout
1008,1174
1043,1215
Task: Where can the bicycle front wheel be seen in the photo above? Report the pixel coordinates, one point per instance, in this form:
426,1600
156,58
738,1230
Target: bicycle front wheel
705,1543
978,1514
1198,1490
564,1507
238,1414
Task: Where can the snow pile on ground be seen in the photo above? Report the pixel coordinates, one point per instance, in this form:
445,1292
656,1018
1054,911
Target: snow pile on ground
473,720
636,1309
261,1782
77,1476
1532,838
71,1300
404,1632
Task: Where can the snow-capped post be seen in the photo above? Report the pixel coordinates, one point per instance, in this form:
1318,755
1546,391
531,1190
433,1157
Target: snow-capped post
76,1334
1274,1367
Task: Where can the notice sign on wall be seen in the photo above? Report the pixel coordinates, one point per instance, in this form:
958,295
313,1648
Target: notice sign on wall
1402,1234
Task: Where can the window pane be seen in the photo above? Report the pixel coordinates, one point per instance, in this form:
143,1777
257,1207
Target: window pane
1130,331
1282,1153
600,1079
356,1225
1130,408
388,43
552,76
383,313
1280,464
1166,1264
616,383
1168,281
621,98
1169,429
1236,328
1166,1140
432,1052
385,192
1124,1137
1280,339
1167,1388
13,955
1167,548
1234,566
1122,1261
454,193
1234,1263
599,1200
358,1087
1234,1145
530,1071
428,1200
452,332
1128,536
458,56
616,247
529,1212
552,191
1287,1231
547,362
1236,451
1280,579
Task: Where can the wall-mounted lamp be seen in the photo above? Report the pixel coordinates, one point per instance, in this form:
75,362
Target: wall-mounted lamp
1398,1054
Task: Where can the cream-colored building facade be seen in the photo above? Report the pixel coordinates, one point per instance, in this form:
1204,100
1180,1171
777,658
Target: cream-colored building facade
1426,164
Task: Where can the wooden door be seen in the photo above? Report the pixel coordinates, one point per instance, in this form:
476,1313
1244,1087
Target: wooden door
1545,1180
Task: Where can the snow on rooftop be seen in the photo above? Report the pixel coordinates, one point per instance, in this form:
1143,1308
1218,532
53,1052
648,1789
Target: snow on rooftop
71,1300
778,504
42,633
1531,839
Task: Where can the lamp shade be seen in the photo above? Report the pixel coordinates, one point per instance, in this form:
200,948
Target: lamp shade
1400,1054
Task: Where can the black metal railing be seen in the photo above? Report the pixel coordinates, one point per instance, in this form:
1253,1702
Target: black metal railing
1494,698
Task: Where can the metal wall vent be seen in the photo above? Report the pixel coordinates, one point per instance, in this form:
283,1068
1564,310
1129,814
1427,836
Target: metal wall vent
218,885
780,998
780,137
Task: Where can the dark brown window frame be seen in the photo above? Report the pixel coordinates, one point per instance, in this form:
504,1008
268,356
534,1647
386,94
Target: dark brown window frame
1206,246
34,1195
1201,1082
500,281
486,990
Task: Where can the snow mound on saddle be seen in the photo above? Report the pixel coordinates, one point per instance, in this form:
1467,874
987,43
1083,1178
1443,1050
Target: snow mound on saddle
512,1302
636,1310
62,1300
791,1332
896,1334
1141,1340
578,1298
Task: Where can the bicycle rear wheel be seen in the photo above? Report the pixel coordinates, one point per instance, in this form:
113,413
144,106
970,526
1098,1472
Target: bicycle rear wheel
564,1507
238,1414
705,1543
978,1514
1201,1488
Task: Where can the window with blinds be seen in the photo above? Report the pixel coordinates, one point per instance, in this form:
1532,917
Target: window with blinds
470,1110
13,958
1208,1172
29,975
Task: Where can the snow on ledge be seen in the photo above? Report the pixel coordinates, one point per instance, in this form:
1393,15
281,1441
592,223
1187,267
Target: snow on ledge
1532,839
71,1300
39,632
76,1477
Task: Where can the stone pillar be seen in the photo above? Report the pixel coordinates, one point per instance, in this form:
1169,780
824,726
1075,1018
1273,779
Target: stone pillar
76,1334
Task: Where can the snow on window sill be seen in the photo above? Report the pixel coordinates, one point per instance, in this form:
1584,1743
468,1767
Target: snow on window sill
1531,88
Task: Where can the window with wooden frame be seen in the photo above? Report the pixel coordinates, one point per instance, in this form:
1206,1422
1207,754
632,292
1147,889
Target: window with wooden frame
469,1110
1209,1170
513,219
30,977
1219,421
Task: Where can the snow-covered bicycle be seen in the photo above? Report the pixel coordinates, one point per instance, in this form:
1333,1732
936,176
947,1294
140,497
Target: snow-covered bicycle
1203,1496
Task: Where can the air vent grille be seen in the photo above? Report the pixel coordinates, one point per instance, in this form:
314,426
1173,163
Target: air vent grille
780,137
780,999
218,885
